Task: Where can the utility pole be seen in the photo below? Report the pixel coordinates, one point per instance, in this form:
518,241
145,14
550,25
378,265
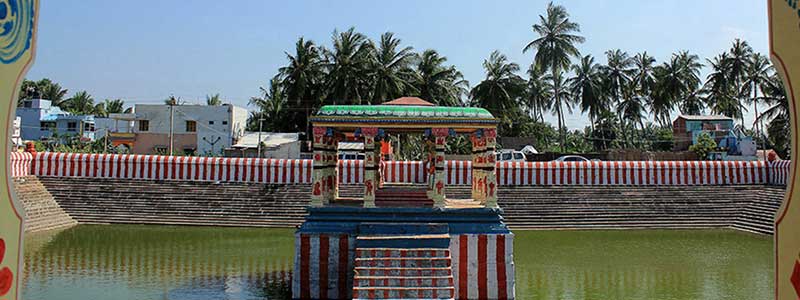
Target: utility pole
258,147
105,142
171,119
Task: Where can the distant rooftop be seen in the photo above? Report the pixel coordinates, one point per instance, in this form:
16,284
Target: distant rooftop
409,101
270,139
706,118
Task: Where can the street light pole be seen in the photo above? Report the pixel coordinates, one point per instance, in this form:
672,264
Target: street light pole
171,119
258,145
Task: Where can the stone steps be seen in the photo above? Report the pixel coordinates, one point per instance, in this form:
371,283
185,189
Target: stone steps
744,207
42,212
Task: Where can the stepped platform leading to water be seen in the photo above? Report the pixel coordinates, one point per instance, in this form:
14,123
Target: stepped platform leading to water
744,207
42,212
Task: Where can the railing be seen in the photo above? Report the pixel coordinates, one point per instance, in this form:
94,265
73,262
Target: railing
299,171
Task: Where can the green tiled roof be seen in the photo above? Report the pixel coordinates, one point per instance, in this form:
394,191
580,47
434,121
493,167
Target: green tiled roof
404,111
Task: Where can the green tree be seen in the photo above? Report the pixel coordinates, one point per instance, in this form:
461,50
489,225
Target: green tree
348,66
587,87
673,81
502,88
115,106
43,89
617,73
439,83
213,100
391,71
271,105
555,47
720,88
759,71
631,111
777,114
81,104
537,93
704,145
303,81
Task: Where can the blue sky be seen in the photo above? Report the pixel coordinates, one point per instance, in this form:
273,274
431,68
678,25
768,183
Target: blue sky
143,51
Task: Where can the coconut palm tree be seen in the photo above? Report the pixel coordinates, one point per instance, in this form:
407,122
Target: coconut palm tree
587,88
348,66
555,47
302,81
271,106
630,110
438,83
43,89
213,100
81,104
116,106
562,100
643,65
537,94
758,72
673,81
720,90
391,71
500,91
692,103
617,73
740,55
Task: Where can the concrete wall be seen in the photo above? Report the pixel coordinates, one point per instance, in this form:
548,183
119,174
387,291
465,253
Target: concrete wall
146,143
216,126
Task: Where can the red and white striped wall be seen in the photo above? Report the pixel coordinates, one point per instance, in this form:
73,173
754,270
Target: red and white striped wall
404,172
172,167
20,163
296,171
632,173
458,172
483,266
351,171
780,172
323,266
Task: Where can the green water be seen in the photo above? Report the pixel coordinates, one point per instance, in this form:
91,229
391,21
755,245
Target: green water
166,262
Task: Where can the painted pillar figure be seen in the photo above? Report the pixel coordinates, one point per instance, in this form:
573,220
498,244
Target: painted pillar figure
319,167
370,167
491,175
332,144
440,140
478,163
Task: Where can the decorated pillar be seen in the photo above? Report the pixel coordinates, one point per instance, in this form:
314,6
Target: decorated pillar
440,139
319,167
370,165
491,174
478,164
332,146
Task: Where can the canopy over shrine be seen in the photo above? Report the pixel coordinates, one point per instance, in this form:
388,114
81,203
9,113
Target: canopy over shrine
373,123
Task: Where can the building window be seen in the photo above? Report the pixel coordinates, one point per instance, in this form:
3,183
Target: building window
72,126
47,125
191,126
144,125
224,122
210,122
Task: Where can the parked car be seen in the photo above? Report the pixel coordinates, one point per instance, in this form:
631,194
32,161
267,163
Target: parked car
351,156
572,158
510,155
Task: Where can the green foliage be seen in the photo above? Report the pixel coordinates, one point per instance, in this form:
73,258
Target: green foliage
704,145
213,100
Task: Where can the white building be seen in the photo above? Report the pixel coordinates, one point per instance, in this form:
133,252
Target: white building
197,129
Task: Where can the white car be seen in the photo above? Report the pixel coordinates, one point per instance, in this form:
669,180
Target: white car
510,156
572,158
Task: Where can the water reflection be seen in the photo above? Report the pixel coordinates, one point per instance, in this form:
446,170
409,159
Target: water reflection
158,262
643,265
164,262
